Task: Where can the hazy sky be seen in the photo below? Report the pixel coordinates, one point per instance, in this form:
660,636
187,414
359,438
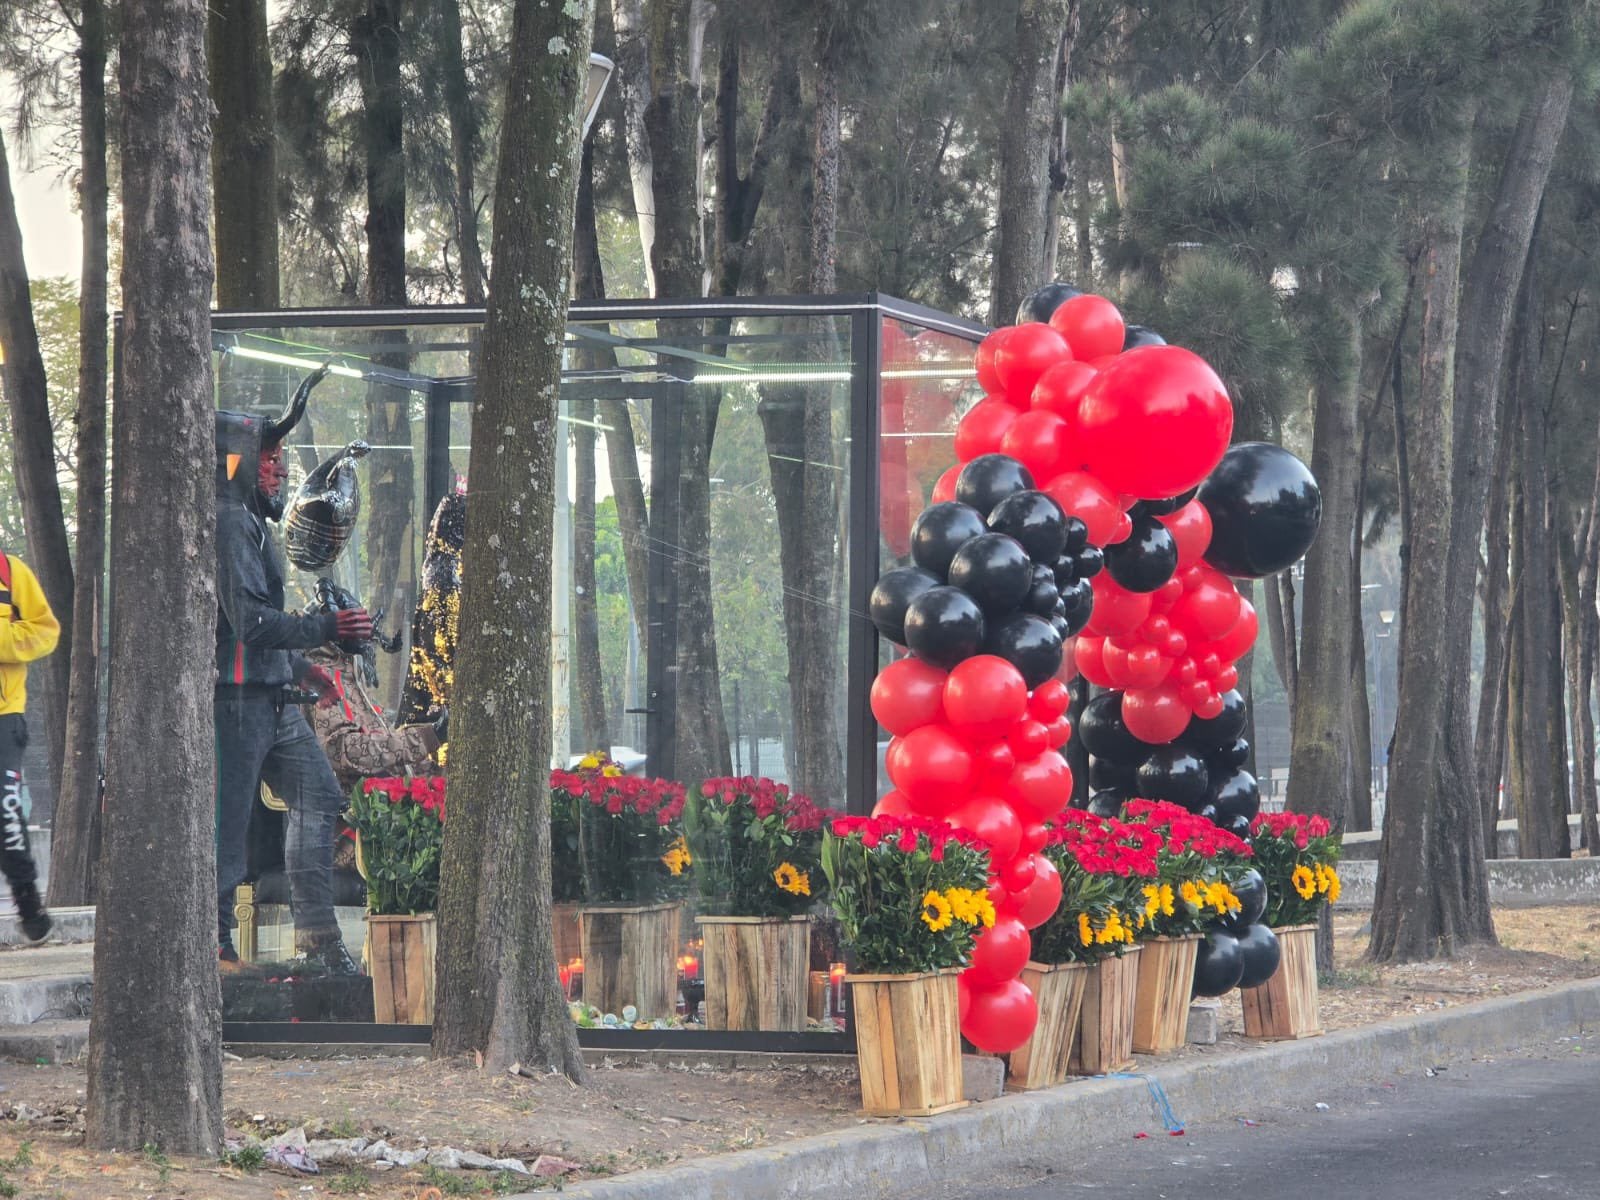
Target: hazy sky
50,228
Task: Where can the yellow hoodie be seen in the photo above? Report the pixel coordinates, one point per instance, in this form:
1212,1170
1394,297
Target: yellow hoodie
28,630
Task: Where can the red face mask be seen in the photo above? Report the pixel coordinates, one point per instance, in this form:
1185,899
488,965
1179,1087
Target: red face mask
271,471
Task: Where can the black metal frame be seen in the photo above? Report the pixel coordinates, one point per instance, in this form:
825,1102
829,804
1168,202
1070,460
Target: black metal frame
362,1033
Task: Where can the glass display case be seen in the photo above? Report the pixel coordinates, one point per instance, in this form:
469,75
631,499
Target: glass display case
733,475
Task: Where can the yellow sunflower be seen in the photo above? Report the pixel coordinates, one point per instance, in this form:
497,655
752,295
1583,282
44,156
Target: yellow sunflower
677,856
1085,930
936,912
1190,894
1304,882
1328,882
792,880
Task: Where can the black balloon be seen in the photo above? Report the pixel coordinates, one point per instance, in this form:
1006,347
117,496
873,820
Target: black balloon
1043,598
1107,803
1217,964
1235,794
1161,508
1145,559
1102,732
1235,754
1035,520
990,478
1089,560
1173,773
1238,826
1265,507
1208,812
940,531
1134,336
944,625
994,570
1259,954
1042,304
1213,733
1028,643
1112,774
1077,535
893,594
1251,889
1077,601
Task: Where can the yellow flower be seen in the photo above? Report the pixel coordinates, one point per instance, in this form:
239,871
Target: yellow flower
936,914
792,880
1304,882
1190,894
588,762
1328,882
677,856
1220,897
1152,900
985,908
611,771
1167,908
1085,930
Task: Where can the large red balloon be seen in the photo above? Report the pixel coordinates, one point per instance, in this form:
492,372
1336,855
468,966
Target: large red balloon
1041,787
1155,715
1236,643
1028,353
1001,1019
908,694
1208,610
1190,528
892,804
985,696
1037,902
981,430
1038,440
993,820
932,767
983,360
1155,422
1116,610
1083,496
1088,652
1092,326
1000,953
1061,388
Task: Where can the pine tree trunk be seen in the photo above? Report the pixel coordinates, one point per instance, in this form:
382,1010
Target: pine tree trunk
75,833
155,1033
634,86
463,153
588,283
244,155
497,986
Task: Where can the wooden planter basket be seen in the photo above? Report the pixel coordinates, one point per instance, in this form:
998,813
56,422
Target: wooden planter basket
756,971
908,1042
568,931
400,954
1105,1026
1042,1060
1285,1006
630,956
1161,1004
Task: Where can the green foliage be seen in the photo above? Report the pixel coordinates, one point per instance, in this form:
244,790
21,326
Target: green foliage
248,1157
757,849
566,875
400,824
350,1182
630,845
1295,854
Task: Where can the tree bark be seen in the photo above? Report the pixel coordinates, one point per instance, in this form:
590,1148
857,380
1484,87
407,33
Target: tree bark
1060,147
1489,740
634,86
498,991
159,1081
244,155
463,149
75,840
588,283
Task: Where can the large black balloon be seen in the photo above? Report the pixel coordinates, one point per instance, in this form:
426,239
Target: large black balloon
989,479
994,570
1173,773
1035,520
1235,794
944,625
1265,507
1145,559
940,531
1217,964
1162,508
1113,774
1043,598
1028,643
1251,889
1259,955
1235,754
893,594
1077,600
1213,733
1042,304
1107,803
1239,826
1134,336
1103,733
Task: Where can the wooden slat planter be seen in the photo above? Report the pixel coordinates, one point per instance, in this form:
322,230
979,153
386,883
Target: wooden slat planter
1161,1003
908,1042
1042,1060
1285,1006
756,971
1105,1023
400,954
568,932
630,956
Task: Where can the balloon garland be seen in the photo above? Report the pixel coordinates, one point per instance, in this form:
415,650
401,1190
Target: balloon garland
1090,526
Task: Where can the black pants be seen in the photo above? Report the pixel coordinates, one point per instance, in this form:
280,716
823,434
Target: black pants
16,860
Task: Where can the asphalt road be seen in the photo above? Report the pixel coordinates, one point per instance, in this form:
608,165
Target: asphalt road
1522,1127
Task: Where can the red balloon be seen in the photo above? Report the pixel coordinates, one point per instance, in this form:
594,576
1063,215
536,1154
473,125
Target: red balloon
985,695
1049,700
1092,326
983,359
1116,610
892,804
1155,630
1028,353
1115,658
994,762
1038,440
1195,693
1165,596
1038,902
908,694
1041,787
1057,733
945,489
1068,670
1226,679
1017,874
1236,643
1001,1019
1155,422
1028,739
932,767
1083,496
1210,706
1088,654
1176,645
1207,610
1145,667
1208,664
1154,715
981,430
1033,835
1185,671
1061,388
1190,528
993,820
1000,953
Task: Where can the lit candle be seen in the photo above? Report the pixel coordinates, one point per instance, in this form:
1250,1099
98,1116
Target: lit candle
836,988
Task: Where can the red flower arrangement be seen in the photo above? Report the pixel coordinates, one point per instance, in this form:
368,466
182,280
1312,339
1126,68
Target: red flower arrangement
427,791
630,848
1183,830
399,826
1299,828
756,847
904,832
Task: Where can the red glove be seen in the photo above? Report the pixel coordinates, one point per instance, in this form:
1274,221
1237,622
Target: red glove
353,624
316,679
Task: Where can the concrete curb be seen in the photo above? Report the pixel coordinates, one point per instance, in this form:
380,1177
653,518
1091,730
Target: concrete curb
881,1159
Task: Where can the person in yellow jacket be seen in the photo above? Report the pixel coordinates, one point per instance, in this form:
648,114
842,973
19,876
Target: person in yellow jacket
28,631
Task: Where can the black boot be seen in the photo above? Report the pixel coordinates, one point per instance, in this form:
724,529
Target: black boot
325,954
32,917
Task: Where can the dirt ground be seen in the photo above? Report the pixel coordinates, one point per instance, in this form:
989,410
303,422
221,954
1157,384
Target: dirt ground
628,1117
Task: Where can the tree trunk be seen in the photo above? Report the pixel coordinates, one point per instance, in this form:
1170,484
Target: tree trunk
497,988
588,283
244,155
34,457
75,840
1489,739
634,86
1026,149
463,148
158,1082
1060,147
